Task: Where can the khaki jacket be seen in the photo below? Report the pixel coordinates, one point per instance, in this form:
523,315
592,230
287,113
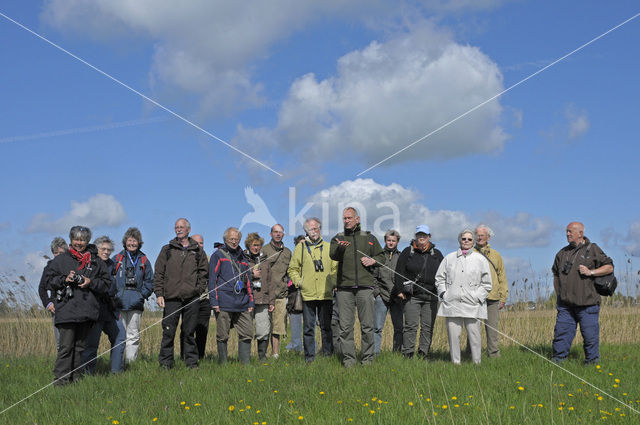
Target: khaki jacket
500,288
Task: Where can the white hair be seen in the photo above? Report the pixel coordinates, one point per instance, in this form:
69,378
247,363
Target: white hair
487,228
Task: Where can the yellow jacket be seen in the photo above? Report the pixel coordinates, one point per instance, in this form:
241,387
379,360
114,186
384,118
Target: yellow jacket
315,285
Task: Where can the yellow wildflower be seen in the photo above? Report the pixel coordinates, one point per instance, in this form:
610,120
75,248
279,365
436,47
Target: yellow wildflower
186,408
232,408
197,404
521,388
300,417
182,403
411,403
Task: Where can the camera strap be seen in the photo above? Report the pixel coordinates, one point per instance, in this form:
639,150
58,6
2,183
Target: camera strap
233,263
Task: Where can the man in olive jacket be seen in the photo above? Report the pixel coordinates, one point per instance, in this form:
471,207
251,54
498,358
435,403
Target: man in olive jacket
357,253
574,269
180,278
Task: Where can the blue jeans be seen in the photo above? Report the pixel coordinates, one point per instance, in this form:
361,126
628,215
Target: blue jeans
565,331
295,321
395,310
117,335
320,310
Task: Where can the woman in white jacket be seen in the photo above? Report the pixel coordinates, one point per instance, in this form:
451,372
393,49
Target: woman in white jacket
463,281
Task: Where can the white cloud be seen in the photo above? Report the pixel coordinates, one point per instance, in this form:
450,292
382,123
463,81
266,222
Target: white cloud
201,47
577,122
520,230
99,210
573,124
461,5
382,207
388,95
630,241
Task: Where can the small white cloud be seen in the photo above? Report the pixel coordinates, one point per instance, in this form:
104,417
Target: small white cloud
520,230
99,210
461,5
578,122
629,241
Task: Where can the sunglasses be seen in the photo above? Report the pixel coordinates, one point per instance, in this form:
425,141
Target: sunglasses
466,239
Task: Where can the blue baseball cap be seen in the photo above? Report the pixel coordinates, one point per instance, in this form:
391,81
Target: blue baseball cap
423,228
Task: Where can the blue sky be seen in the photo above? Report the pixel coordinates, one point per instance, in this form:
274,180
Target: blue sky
321,92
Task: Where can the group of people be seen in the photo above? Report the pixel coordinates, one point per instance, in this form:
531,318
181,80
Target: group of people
89,291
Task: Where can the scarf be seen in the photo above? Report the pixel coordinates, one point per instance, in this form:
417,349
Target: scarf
84,259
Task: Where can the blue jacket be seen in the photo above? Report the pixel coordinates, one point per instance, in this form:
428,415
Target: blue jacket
133,298
224,278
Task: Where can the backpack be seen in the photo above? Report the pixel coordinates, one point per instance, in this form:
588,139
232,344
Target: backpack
605,285
120,257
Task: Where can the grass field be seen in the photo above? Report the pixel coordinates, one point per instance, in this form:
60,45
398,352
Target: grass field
518,388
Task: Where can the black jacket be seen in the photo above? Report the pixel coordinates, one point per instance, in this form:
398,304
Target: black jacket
82,305
411,263
45,293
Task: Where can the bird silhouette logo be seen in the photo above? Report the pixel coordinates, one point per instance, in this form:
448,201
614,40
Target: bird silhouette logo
260,213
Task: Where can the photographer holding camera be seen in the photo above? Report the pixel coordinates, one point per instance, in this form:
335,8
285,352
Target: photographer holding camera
76,276
314,273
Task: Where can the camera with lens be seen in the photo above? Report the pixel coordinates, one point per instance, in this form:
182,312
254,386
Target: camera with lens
77,279
318,265
566,267
130,278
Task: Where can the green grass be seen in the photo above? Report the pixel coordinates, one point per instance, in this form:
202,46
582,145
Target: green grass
518,388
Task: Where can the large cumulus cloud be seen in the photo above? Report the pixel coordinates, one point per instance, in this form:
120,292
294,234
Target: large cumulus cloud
389,94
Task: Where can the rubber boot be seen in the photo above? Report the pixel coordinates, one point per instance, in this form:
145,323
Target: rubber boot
262,350
222,352
244,351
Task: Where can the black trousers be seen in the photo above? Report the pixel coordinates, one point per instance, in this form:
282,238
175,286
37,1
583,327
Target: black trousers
72,342
202,329
173,309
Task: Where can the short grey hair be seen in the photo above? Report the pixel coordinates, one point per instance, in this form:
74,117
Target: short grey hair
307,221
464,232
132,232
487,228
225,235
392,232
103,240
58,243
185,220
80,233
355,211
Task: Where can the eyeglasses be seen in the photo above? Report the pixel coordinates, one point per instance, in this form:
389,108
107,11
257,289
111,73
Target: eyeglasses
105,249
466,239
